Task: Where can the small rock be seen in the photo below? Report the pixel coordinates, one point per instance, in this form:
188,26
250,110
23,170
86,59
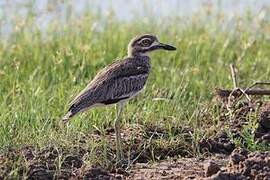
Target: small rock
211,168
72,161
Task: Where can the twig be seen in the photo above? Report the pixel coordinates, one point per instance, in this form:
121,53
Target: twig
244,93
233,74
236,88
257,83
226,92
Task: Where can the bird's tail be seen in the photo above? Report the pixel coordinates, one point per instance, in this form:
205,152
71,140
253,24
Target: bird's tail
67,117
72,111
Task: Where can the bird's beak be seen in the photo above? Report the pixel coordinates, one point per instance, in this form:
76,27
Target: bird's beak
166,47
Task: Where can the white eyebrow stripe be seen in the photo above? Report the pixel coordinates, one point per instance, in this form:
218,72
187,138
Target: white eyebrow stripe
155,43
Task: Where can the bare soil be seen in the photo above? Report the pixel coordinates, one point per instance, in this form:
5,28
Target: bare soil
182,168
263,131
42,164
245,165
153,153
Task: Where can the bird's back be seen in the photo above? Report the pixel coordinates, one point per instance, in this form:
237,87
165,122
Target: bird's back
118,81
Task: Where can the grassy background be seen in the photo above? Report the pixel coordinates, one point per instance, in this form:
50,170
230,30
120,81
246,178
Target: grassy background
42,69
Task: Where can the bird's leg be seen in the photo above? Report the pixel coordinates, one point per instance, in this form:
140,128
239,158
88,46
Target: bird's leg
119,151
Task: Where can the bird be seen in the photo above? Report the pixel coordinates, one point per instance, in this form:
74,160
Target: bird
119,82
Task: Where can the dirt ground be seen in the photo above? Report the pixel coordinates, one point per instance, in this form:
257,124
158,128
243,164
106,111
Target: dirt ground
241,164
219,159
42,164
184,168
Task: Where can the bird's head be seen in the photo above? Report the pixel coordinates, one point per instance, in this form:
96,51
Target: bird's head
141,45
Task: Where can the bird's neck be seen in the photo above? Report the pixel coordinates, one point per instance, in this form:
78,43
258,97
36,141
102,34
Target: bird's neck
142,61
137,54
134,53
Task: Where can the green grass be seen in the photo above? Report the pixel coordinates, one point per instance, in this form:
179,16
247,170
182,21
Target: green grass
41,70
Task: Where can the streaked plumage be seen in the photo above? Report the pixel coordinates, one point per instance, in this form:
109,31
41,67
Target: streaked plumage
119,81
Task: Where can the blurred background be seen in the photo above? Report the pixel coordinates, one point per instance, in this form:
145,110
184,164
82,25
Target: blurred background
15,13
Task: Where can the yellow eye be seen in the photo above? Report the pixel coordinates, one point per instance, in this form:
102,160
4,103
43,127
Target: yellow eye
146,42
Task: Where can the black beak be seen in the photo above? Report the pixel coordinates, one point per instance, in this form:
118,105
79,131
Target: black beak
167,47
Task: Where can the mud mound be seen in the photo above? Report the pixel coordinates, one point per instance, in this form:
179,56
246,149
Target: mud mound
221,143
262,133
51,163
246,165
234,118
42,164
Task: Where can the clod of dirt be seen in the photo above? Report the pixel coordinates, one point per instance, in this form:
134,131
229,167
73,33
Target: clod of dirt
211,168
72,161
265,116
234,116
245,165
98,173
219,144
226,175
40,172
255,165
238,155
263,131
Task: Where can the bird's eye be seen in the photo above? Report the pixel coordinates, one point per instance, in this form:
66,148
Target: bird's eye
146,42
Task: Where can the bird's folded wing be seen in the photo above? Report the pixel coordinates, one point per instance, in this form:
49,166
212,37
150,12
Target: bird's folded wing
119,81
124,87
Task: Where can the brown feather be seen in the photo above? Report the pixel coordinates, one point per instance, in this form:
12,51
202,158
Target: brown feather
118,81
